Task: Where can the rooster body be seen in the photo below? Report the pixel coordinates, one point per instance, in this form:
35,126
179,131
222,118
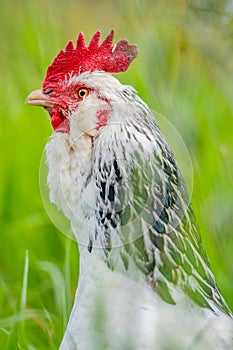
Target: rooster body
145,280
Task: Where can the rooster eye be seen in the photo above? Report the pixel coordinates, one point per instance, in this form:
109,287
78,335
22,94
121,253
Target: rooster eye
82,93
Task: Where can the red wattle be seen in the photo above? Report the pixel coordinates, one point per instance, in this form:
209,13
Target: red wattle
59,122
56,119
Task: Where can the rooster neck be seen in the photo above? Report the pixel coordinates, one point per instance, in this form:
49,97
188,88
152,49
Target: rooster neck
69,164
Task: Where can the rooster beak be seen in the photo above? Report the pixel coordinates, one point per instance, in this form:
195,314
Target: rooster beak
38,98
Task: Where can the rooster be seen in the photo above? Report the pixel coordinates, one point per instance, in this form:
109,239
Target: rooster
145,281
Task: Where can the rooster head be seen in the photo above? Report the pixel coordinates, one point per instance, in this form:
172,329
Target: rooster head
68,80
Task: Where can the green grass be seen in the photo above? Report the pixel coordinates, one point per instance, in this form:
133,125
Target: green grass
184,71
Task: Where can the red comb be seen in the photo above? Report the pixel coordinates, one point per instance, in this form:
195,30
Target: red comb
102,57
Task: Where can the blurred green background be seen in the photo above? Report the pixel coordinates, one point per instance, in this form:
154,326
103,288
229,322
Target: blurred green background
184,71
